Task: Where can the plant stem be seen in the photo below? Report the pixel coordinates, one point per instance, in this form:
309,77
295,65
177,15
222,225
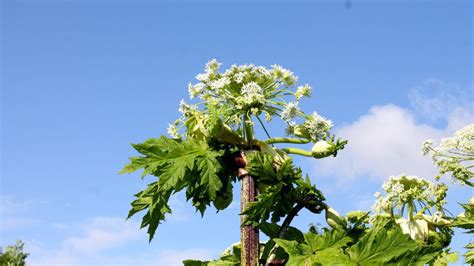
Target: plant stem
298,151
249,238
287,140
410,211
285,225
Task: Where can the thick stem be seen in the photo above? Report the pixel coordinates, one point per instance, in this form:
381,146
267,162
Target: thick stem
249,241
248,234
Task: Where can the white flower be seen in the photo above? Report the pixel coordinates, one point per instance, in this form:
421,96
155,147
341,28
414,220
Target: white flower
290,111
212,65
252,94
268,117
303,91
195,90
203,77
427,146
173,131
239,77
318,126
219,83
284,75
185,108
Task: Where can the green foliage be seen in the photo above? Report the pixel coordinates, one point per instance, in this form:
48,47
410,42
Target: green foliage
13,255
469,255
317,249
190,164
466,219
230,257
382,244
281,189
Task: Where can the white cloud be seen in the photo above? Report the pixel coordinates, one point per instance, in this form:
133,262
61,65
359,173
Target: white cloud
387,140
103,233
99,238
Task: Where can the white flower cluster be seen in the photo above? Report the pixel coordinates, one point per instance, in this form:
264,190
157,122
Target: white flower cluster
463,140
407,190
318,126
462,143
454,155
252,95
290,111
256,90
244,87
315,127
173,131
303,91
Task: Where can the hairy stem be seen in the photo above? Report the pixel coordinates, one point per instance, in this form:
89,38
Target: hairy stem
287,140
298,152
249,239
286,224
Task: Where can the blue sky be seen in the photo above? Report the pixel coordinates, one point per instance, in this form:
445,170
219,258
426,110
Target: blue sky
80,80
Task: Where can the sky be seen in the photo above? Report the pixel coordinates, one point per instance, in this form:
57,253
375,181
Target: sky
81,80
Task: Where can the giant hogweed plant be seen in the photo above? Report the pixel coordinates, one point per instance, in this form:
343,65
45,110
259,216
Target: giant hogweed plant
212,146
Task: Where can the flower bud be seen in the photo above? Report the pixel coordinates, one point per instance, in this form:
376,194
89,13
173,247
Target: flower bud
333,219
301,131
322,149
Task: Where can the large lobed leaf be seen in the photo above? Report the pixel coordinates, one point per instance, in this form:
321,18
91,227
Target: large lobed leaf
178,164
380,245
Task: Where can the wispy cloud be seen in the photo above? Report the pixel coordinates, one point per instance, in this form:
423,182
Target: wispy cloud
14,213
102,233
436,99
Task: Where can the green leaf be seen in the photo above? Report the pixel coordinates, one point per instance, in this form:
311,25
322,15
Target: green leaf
469,255
209,167
380,245
330,239
300,254
177,164
271,230
195,263
445,258
325,249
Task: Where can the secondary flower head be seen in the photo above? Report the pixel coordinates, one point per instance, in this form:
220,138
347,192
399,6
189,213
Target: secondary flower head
404,190
318,126
290,111
454,155
303,91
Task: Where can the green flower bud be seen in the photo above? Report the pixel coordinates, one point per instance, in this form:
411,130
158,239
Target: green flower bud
301,131
333,218
322,149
